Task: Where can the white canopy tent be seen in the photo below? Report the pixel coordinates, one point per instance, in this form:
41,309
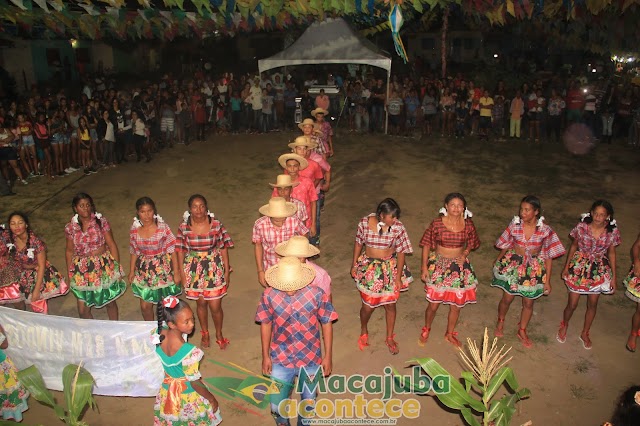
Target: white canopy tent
331,41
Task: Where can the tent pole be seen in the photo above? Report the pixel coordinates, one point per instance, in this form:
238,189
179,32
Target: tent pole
386,110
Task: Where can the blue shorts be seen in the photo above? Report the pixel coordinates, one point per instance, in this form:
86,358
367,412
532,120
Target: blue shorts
57,138
28,141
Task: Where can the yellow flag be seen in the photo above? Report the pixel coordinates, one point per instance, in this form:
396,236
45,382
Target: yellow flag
510,8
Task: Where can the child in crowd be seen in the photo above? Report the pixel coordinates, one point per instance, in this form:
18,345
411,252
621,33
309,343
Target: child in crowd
13,396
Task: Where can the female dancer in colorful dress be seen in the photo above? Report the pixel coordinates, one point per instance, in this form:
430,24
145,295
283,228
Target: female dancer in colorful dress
39,280
448,275
183,400
523,267
591,265
93,260
202,247
154,272
632,283
13,395
375,271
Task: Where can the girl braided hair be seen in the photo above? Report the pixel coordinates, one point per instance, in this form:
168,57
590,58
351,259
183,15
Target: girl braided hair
84,196
611,225
13,250
197,197
166,314
388,206
146,201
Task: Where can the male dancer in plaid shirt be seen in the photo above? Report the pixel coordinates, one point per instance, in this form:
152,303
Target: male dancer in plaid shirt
291,313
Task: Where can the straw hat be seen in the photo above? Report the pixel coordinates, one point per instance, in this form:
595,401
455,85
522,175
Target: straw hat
309,122
289,274
284,181
291,156
278,208
319,111
303,141
297,246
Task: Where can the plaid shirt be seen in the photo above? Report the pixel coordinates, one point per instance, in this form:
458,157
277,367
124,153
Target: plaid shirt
397,238
265,233
295,320
162,241
84,243
216,238
590,246
301,212
437,234
544,241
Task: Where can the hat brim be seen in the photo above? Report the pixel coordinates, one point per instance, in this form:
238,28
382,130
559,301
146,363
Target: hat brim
290,210
301,125
282,160
275,185
309,144
319,111
303,280
281,249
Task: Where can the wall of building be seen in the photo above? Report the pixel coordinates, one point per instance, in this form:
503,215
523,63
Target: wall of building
462,46
18,62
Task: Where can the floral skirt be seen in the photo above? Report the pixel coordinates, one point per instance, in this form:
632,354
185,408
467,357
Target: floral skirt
375,280
194,410
204,272
587,276
448,283
519,278
97,280
153,279
632,283
13,396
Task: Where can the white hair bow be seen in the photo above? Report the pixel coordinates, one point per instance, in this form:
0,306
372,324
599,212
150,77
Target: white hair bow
186,215
158,218
516,220
155,339
443,211
381,225
613,222
98,215
30,252
467,213
210,214
136,223
583,216
74,219
540,221
11,246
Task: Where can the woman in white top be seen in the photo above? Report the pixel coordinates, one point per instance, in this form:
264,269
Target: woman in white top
106,132
139,136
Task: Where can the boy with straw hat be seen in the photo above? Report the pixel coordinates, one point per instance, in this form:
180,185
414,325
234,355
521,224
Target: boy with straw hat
311,130
284,187
299,247
277,224
304,191
291,314
304,147
326,132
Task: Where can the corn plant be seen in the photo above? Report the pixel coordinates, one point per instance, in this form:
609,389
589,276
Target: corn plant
488,373
77,389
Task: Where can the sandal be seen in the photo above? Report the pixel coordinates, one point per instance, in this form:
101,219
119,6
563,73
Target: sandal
392,345
634,334
498,331
451,338
586,343
363,341
204,342
525,340
223,343
424,336
562,337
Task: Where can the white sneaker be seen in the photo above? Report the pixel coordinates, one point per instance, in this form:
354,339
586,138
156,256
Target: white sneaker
73,169
24,182
67,170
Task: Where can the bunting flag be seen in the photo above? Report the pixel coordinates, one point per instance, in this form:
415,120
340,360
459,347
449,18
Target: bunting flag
395,22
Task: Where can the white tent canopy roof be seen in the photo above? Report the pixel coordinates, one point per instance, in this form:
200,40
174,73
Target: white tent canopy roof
326,42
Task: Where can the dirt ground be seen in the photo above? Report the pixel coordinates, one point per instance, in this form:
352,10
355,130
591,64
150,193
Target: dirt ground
569,385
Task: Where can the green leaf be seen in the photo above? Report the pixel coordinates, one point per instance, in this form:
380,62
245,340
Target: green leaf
496,382
457,397
31,379
469,417
494,410
78,390
508,408
470,380
417,5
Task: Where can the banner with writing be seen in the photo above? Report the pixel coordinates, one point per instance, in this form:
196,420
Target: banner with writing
118,354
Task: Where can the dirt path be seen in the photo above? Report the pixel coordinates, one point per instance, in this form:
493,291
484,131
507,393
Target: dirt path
569,384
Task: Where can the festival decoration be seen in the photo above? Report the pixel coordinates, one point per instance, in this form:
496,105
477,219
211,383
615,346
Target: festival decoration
395,22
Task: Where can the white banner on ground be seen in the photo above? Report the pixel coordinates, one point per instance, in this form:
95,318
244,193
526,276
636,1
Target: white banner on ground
118,354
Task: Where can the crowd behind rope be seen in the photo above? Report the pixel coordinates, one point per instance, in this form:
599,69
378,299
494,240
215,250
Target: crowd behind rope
55,135
295,311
